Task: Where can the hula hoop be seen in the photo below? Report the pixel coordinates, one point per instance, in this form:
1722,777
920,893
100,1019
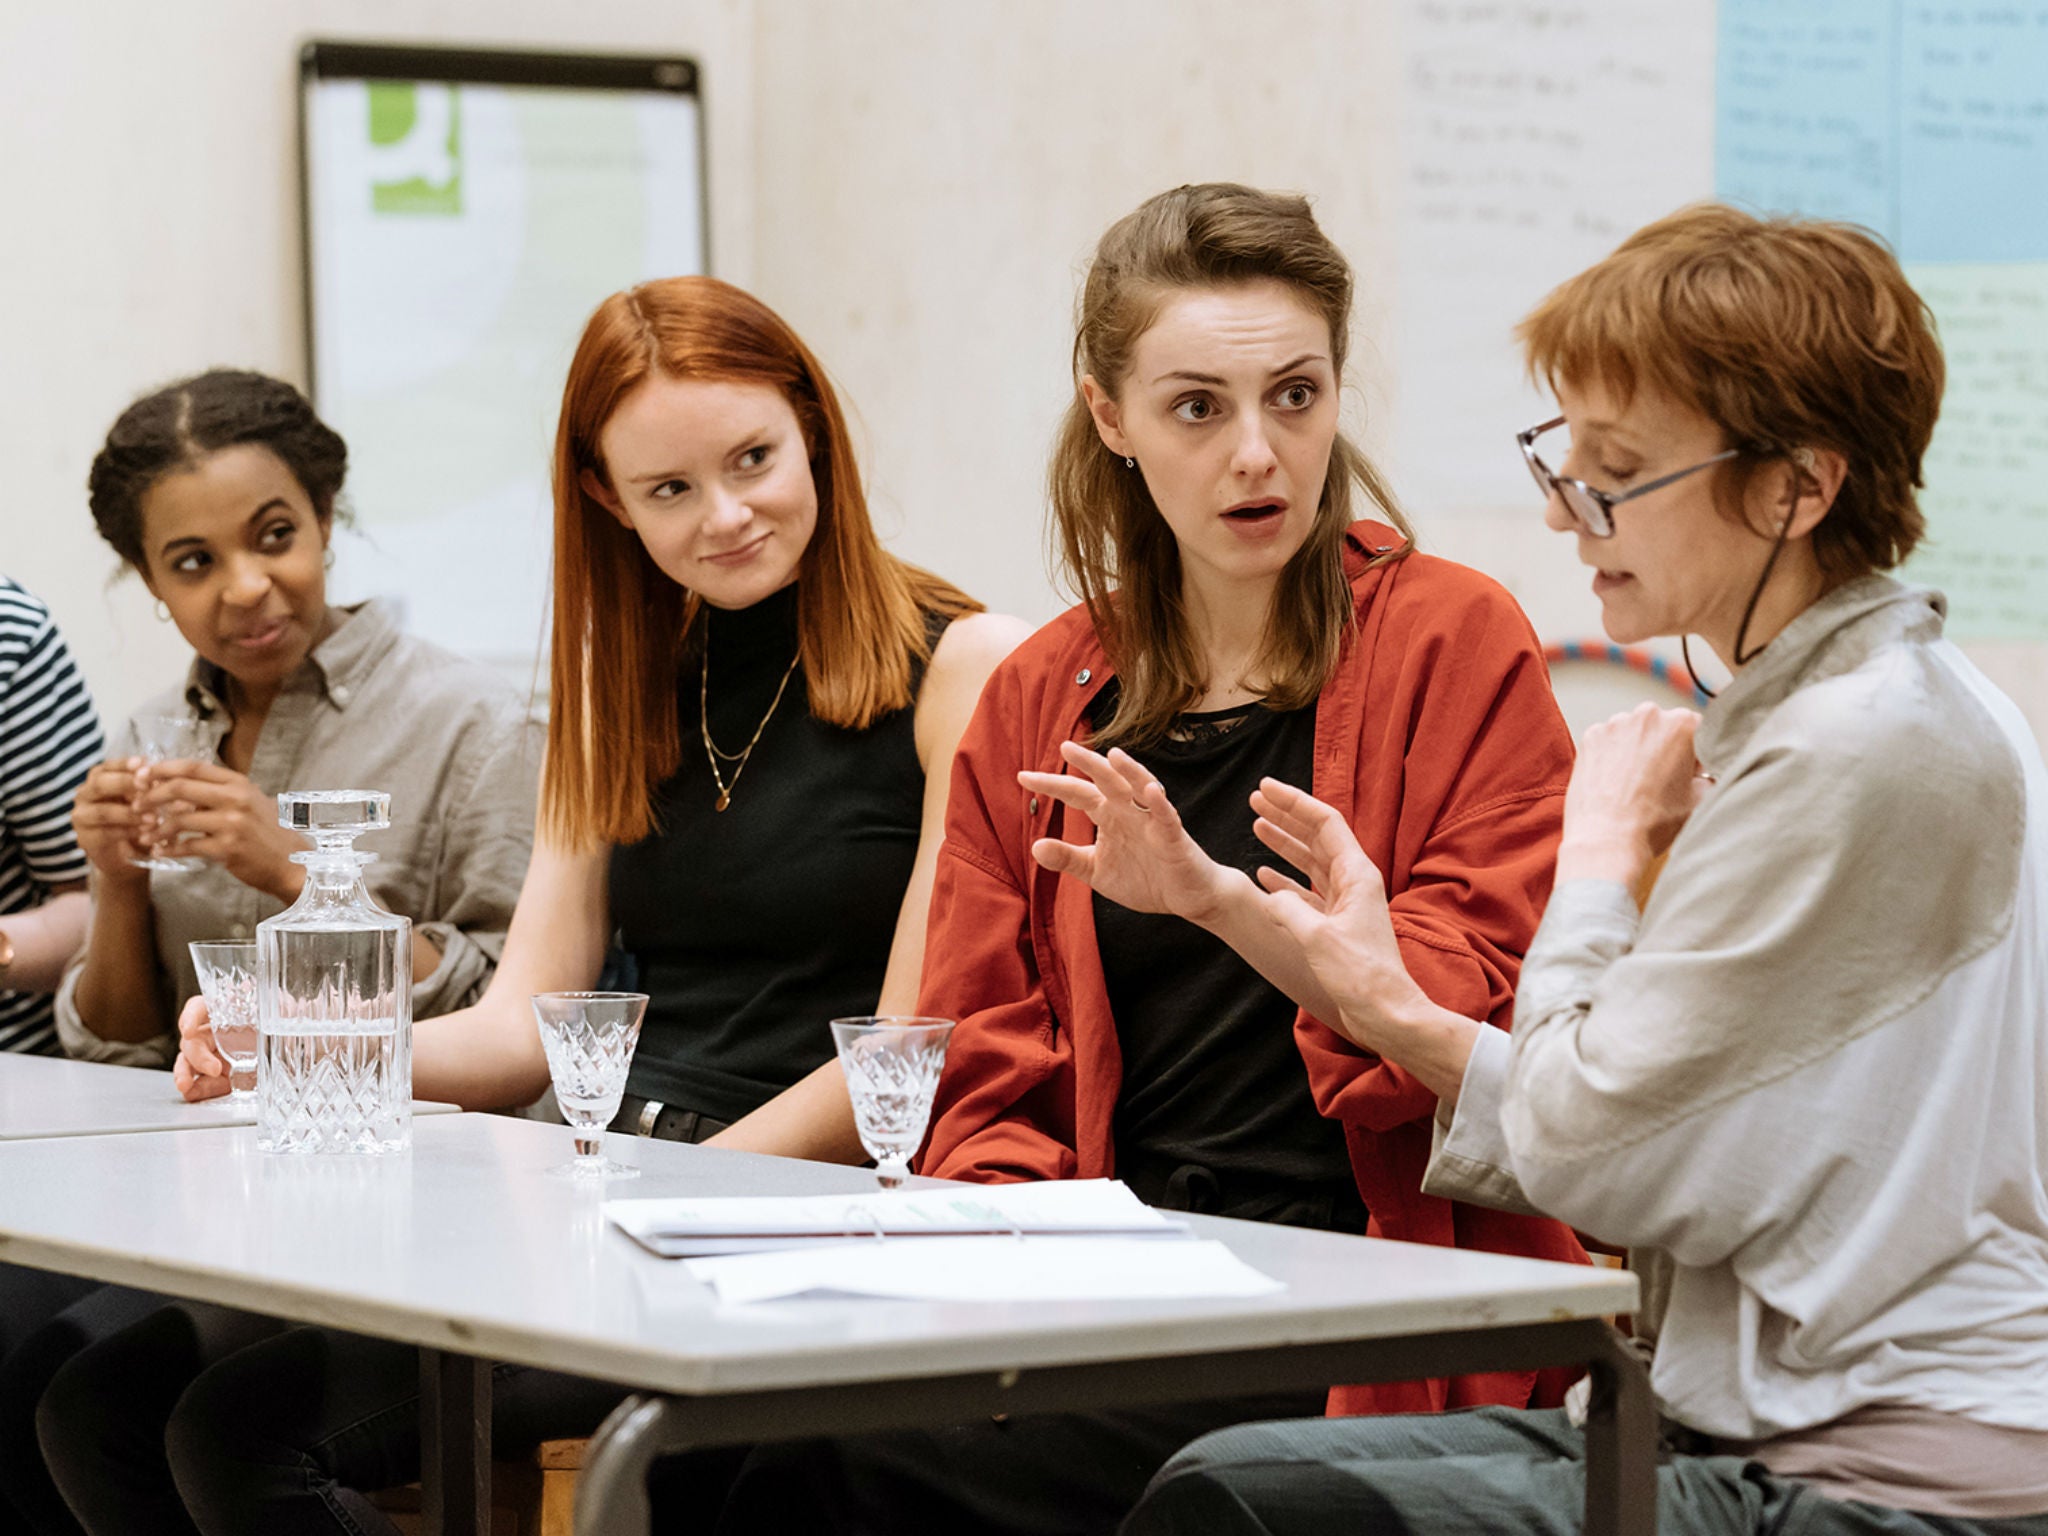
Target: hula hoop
1631,657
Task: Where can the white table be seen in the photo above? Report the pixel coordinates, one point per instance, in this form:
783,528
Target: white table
465,1249
49,1096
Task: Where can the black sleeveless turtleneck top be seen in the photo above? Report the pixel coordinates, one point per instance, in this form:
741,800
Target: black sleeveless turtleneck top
756,925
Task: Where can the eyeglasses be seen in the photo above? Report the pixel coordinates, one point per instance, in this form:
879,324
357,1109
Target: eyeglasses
1594,509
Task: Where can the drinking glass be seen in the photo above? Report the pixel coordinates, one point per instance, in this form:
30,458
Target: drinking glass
589,1038
227,979
892,1070
173,738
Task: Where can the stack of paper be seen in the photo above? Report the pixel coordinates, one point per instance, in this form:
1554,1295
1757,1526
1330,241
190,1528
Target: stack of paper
1069,1240
680,1228
1030,1269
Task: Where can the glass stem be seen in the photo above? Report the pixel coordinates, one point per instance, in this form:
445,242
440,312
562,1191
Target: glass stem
590,1149
891,1173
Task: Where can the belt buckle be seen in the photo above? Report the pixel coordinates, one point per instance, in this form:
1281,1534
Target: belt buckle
650,1112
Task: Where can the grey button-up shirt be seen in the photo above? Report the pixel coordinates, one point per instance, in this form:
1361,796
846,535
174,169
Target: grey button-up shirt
371,708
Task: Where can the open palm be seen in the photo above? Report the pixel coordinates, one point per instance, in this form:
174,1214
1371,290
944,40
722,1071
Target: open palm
1340,919
1142,856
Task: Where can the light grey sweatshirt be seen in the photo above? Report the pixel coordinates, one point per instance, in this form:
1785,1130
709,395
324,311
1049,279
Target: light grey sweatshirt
1814,1070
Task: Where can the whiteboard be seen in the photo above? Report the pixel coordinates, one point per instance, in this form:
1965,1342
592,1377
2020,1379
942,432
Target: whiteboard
464,213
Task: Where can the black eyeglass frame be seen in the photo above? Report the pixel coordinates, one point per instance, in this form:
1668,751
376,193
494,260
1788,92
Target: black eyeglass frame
1591,507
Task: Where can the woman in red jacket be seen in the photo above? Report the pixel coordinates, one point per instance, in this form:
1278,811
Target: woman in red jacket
1125,1006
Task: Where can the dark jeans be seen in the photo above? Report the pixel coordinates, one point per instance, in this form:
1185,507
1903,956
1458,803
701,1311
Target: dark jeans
1050,1475
33,1372
31,1350
285,1437
100,1420
1478,1473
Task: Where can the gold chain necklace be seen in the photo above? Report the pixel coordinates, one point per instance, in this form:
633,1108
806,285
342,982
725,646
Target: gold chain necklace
713,753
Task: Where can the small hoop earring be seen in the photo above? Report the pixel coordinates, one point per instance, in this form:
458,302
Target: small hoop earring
163,611
1129,462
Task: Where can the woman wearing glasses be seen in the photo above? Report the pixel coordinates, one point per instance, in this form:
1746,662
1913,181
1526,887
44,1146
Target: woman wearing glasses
1809,1070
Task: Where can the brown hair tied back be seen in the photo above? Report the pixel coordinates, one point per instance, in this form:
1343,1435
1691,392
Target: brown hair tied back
1110,542
173,428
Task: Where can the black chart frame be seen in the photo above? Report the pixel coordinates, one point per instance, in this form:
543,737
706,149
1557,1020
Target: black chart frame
321,60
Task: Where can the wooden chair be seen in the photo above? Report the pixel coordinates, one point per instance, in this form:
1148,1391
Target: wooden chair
534,1496
556,1463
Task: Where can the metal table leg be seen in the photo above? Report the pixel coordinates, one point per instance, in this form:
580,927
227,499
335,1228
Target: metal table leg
1621,1445
1621,1432
455,1444
611,1493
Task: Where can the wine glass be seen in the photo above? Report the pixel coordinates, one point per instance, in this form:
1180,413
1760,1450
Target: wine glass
589,1038
227,980
892,1071
173,738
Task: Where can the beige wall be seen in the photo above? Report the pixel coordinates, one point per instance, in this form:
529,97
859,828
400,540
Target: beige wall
148,166
931,183
915,184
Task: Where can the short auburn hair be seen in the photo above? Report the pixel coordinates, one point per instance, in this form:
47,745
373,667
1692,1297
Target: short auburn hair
1787,333
622,627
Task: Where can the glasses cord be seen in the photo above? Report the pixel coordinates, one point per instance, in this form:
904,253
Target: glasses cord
1742,658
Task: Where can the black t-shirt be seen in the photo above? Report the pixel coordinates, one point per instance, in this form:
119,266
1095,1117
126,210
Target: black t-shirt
1215,1113
755,926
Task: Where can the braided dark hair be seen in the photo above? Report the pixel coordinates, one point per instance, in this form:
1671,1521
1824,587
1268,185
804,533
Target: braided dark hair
174,427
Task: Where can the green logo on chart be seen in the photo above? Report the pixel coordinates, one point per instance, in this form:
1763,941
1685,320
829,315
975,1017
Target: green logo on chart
416,148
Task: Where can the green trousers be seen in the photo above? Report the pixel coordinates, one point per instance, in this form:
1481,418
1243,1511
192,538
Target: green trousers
1487,1472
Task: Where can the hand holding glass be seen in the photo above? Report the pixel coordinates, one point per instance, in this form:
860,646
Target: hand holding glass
167,739
589,1038
227,979
892,1072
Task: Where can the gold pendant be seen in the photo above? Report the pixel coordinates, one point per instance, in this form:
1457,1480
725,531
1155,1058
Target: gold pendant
723,801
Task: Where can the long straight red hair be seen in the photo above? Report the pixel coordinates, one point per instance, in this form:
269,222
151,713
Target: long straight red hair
622,627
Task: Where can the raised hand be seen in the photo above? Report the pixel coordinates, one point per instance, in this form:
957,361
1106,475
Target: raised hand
1142,857
200,1072
1631,791
235,823
103,815
1339,919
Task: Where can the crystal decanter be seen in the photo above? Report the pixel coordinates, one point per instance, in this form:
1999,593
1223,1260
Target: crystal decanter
334,990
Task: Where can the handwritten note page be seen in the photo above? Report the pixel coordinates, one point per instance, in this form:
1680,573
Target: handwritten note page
1928,123
1535,136
1987,474
1805,115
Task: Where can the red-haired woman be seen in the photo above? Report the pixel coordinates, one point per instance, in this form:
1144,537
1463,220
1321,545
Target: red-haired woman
753,719
734,655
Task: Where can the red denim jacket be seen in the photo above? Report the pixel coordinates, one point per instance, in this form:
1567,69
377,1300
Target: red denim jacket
1439,740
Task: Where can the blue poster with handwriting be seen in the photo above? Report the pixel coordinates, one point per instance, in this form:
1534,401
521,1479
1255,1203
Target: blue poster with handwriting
1927,123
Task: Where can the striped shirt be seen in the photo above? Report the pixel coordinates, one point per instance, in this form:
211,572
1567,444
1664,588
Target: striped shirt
49,739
